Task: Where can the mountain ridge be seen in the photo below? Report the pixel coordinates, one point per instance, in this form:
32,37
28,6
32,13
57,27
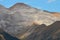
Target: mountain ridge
23,4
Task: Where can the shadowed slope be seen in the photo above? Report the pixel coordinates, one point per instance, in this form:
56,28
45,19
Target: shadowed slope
51,32
9,37
6,36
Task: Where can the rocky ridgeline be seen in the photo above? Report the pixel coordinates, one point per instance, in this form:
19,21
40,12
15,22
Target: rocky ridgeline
19,19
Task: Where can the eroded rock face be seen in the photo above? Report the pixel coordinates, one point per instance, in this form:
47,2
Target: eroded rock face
20,18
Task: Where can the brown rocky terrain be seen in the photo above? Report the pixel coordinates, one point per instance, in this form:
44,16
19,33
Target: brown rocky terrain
27,23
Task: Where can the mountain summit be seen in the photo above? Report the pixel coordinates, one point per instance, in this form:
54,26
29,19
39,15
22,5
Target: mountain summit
19,5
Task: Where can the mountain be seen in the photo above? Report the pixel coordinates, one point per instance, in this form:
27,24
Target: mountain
22,20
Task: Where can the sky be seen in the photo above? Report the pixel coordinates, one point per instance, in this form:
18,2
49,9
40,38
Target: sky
49,5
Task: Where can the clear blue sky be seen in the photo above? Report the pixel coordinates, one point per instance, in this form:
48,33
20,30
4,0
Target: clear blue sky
50,5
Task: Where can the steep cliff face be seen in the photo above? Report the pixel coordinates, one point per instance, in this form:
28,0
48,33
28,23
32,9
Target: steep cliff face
19,20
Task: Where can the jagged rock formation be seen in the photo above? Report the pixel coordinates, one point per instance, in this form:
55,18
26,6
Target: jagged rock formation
21,20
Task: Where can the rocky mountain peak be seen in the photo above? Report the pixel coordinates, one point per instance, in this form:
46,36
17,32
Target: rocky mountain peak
19,5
